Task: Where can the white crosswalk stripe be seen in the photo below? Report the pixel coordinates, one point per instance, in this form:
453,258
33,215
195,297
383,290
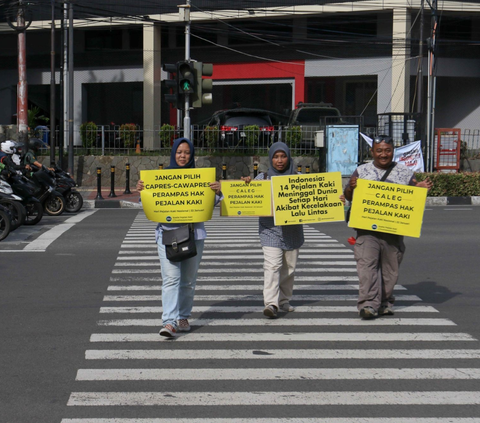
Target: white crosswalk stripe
321,355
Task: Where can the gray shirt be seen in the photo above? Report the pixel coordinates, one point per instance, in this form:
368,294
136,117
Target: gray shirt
289,237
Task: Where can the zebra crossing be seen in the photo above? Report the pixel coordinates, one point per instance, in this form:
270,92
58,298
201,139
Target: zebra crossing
320,363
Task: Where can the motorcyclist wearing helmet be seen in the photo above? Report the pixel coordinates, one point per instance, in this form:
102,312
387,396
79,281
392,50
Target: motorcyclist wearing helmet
30,157
12,155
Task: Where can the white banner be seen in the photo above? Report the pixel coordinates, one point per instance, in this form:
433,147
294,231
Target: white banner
410,155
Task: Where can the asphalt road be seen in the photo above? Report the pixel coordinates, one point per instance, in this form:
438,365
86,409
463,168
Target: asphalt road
52,295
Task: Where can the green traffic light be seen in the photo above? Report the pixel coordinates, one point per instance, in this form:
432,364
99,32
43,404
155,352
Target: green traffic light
186,86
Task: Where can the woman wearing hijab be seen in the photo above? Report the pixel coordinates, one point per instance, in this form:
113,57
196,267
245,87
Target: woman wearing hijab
280,244
180,278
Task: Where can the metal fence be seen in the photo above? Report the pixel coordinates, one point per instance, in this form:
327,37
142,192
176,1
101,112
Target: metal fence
113,140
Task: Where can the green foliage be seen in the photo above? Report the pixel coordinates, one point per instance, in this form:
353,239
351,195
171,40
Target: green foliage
34,119
211,134
252,133
463,184
127,134
167,134
88,134
293,136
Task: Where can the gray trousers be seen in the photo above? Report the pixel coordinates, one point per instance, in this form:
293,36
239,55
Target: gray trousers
378,257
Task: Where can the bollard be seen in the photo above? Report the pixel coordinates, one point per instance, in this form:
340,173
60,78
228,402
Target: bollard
307,169
99,184
255,170
112,182
160,166
299,168
224,171
127,179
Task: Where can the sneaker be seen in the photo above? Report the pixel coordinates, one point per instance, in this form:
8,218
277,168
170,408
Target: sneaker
385,311
368,313
168,331
270,311
287,307
183,325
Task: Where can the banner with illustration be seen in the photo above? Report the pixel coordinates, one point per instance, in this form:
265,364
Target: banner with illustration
410,155
299,199
178,195
390,208
241,199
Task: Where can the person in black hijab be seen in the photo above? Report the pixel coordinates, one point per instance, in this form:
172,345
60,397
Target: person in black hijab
280,244
180,278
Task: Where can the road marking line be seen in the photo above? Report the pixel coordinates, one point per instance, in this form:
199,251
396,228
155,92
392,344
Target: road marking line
280,374
273,398
282,420
286,337
258,309
265,354
232,279
244,270
285,322
44,240
251,298
241,288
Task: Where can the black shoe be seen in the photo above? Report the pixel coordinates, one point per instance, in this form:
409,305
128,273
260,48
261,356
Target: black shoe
270,311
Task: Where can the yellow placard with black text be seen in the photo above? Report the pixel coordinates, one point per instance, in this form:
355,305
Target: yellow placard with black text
178,195
313,198
241,199
386,207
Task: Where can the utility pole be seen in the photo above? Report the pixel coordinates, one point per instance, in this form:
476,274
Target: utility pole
185,14
22,96
431,87
70,88
52,89
420,72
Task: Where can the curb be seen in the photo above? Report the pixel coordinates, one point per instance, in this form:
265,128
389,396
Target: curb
431,202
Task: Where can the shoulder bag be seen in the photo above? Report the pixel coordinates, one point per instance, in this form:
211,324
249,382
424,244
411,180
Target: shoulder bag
180,243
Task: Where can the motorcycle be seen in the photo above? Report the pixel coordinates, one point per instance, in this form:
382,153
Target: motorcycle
5,222
25,189
66,186
13,203
51,199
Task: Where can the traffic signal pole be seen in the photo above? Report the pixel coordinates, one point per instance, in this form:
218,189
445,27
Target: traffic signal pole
185,11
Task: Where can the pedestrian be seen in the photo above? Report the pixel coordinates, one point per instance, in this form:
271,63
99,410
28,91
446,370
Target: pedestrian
179,278
378,255
280,244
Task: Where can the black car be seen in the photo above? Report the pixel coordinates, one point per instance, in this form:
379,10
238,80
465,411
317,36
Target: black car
242,129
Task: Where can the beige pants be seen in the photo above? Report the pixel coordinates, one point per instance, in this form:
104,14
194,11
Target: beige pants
279,270
378,260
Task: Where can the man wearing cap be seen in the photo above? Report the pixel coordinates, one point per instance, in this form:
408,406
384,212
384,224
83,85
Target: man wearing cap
378,255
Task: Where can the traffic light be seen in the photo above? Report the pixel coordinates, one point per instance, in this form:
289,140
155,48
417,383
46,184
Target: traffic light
186,77
172,86
203,87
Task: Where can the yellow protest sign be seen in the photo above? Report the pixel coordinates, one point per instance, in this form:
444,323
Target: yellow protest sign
178,195
241,199
307,198
390,208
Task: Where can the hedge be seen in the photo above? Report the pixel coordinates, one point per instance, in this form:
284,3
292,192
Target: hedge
465,184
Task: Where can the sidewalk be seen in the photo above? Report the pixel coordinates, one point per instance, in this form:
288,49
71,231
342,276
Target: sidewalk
120,200
130,201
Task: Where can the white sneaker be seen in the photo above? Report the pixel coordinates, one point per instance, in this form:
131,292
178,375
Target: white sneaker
287,307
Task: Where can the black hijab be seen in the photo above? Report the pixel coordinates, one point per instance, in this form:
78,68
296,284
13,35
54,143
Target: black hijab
289,170
173,162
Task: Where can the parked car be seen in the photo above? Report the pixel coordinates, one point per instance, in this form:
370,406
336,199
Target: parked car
230,128
312,117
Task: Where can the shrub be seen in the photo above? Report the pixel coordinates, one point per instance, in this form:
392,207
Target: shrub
464,184
167,134
293,136
127,134
252,133
210,137
88,134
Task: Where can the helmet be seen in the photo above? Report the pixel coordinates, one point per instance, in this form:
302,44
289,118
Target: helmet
35,144
8,147
17,148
